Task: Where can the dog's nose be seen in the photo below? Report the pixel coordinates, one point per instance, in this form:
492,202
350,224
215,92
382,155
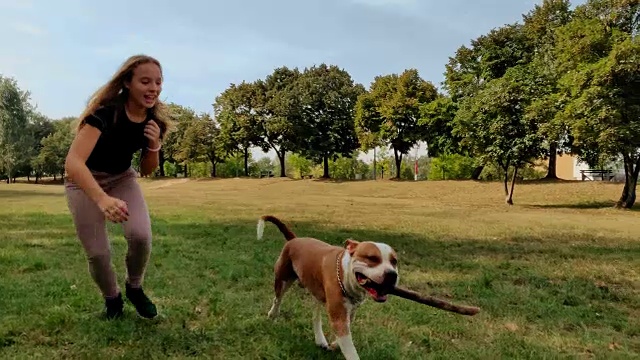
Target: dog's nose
390,277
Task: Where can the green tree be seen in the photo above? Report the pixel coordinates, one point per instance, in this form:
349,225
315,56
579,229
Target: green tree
604,111
237,110
494,125
540,25
38,128
14,120
487,58
325,127
53,152
598,55
437,118
280,112
200,142
390,112
171,151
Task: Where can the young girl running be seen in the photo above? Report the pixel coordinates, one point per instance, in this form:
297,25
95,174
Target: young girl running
124,116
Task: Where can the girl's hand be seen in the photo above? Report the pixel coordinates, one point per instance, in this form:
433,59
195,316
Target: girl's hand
114,209
152,132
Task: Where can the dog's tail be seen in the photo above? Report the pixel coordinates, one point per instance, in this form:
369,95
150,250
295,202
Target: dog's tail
288,234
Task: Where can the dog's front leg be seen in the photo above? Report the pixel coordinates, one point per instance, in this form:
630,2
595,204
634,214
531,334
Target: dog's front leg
340,317
352,316
321,340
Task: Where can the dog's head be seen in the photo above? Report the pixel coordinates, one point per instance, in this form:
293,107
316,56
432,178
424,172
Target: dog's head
374,266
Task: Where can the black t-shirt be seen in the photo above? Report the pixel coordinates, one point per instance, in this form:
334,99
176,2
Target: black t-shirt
118,140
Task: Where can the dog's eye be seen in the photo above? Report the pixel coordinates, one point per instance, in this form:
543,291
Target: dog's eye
393,261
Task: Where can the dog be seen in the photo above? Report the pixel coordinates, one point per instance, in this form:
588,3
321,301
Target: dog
339,278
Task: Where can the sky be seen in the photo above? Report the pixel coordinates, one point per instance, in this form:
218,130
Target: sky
63,50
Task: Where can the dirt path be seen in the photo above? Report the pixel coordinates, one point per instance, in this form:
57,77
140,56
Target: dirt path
169,183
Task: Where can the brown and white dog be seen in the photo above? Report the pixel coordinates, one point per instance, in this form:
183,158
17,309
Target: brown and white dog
340,278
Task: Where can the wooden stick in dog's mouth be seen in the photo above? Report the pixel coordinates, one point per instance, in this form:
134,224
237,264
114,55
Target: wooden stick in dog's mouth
431,301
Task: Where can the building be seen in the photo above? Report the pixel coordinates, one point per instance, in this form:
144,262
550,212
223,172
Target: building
568,167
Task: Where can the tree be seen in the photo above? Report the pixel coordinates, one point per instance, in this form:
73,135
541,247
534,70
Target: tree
172,148
390,112
598,54
14,119
604,111
493,124
280,112
237,110
540,25
325,127
51,157
200,141
437,118
39,128
487,58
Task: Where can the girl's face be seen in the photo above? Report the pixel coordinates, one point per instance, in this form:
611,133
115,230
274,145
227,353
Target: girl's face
145,85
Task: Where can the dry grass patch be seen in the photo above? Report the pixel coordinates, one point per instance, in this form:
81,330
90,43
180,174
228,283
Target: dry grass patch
555,275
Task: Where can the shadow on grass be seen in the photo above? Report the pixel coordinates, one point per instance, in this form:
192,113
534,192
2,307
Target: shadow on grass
585,205
214,280
12,193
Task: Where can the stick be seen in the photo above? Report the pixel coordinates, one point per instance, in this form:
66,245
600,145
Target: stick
437,303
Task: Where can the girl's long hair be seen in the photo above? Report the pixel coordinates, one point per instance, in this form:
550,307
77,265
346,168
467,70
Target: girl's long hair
114,93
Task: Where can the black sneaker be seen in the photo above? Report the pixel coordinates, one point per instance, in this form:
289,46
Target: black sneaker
114,307
141,302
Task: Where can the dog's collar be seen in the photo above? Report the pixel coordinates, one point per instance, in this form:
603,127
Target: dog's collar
344,291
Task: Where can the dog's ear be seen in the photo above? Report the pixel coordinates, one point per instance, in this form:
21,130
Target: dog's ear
351,245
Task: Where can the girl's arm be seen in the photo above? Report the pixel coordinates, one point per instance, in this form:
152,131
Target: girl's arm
75,162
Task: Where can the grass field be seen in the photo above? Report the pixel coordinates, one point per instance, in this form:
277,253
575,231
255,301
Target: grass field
557,275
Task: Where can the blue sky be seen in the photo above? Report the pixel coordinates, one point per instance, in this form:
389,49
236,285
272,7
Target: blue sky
64,50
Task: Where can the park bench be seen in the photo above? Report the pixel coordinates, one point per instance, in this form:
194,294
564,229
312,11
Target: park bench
266,174
591,174
307,176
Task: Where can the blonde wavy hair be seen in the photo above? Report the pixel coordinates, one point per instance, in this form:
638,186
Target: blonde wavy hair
115,93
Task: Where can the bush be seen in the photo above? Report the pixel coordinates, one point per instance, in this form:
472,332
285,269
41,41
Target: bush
493,172
451,167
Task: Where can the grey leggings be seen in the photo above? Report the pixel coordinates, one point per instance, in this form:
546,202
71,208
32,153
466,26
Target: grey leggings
90,228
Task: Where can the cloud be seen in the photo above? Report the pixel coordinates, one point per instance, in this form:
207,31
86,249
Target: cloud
27,28
188,58
16,4
387,3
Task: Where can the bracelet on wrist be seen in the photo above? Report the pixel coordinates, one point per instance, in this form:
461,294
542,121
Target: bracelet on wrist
154,149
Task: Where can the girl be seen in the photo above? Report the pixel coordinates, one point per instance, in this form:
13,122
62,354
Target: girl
121,118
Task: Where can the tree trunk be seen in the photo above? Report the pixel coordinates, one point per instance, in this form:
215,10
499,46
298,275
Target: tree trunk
506,181
28,177
161,163
398,158
476,172
246,161
513,185
553,160
631,170
213,168
325,172
214,162
283,173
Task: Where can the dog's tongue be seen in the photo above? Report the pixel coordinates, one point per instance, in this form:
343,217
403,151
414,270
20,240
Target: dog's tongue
376,296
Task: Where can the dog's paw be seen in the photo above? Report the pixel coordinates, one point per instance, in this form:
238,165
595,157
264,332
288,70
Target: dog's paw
329,347
272,314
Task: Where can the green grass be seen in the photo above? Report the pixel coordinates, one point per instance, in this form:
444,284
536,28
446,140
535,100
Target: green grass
556,276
